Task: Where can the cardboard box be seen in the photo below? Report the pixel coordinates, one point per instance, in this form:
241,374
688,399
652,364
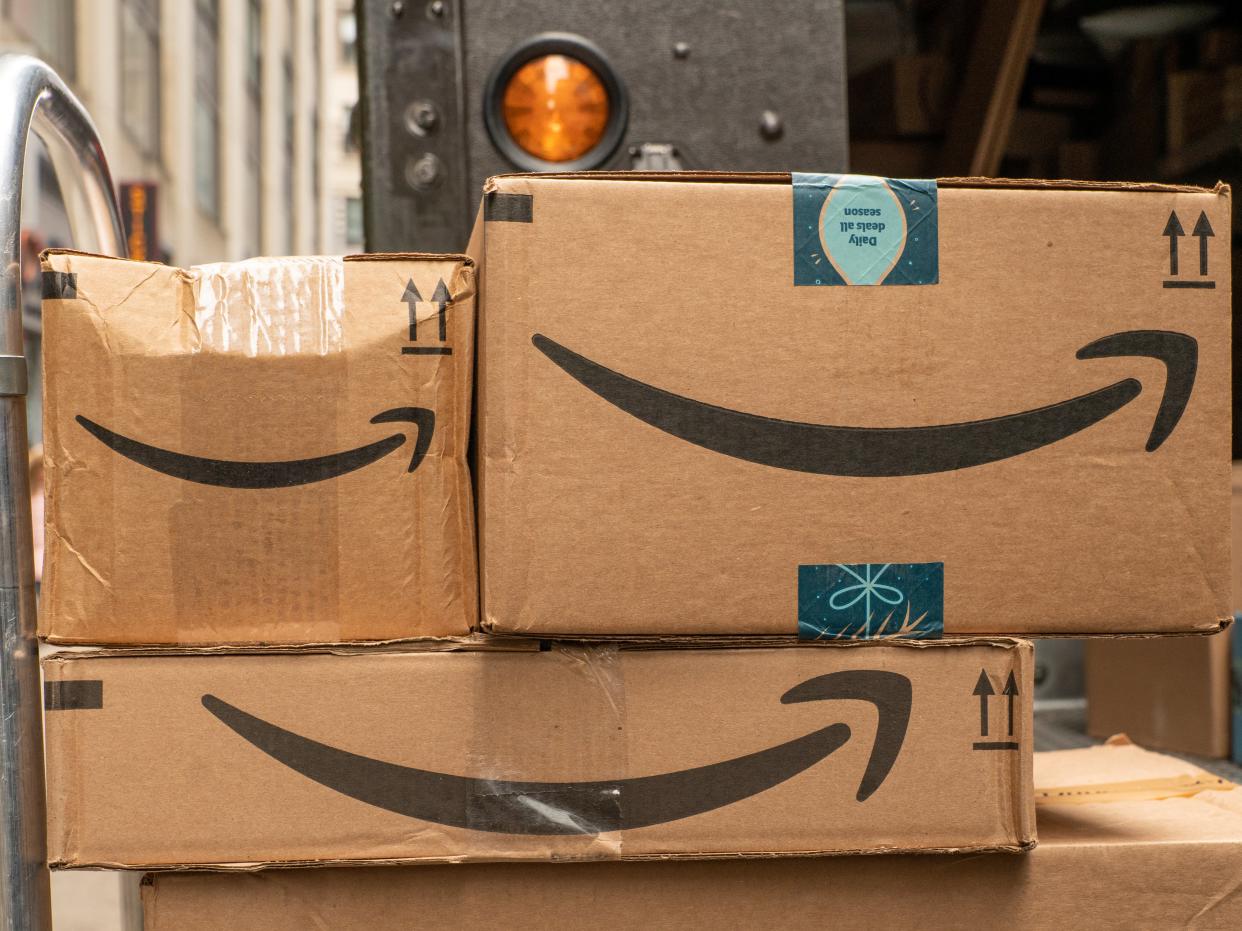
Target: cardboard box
1172,694
689,423
1169,694
1168,861
270,451
575,752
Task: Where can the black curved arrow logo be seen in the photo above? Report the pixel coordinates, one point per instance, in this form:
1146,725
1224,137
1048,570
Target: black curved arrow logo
547,808
230,473
891,451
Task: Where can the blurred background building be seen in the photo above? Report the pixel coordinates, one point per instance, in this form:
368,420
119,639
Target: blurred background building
225,123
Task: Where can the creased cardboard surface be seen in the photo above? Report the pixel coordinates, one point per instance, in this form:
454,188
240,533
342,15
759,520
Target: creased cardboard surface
594,521
577,752
250,452
1172,863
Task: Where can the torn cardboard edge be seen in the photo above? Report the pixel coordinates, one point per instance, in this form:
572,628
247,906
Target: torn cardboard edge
488,628
772,177
260,865
352,257
505,643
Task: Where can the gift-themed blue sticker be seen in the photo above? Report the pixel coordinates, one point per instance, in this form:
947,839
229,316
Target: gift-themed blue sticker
860,230
869,601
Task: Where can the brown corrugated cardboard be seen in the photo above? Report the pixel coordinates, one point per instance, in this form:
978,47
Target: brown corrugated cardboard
268,451
574,752
694,420
1168,862
1169,694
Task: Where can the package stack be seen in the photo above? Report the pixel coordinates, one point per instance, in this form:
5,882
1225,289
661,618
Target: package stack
772,473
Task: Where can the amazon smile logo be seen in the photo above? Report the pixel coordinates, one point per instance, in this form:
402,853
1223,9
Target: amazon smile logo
228,473
566,808
892,451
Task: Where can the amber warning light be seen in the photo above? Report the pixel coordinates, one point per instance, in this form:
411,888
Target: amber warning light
556,108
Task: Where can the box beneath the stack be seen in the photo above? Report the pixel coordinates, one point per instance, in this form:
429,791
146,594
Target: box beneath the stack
839,406
573,752
1163,858
267,451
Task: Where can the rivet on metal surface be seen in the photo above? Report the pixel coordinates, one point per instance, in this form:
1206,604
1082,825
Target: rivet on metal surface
421,117
435,9
422,172
771,126
397,8
681,50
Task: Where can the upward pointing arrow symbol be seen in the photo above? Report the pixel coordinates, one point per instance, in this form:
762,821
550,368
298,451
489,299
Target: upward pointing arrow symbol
1203,229
1010,689
983,688
441,297
1173,229
411,297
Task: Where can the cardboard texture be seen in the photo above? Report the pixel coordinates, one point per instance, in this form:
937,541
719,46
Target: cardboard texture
1162,862
1168,694
1171,694
575,752
269,451
694,419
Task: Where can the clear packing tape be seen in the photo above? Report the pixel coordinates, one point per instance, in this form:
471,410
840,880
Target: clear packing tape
569,819
283,306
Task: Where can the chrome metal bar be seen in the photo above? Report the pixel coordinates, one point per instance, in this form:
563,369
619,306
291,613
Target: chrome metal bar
32,97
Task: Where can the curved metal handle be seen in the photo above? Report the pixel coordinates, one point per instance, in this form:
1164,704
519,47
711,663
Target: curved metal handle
32,97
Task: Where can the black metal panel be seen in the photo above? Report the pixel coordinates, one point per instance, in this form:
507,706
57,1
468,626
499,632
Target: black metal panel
415,186
740,59
711,84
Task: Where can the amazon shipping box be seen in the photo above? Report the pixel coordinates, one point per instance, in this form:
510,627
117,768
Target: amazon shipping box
269,451
507,752
1149,842
852,407
1173,694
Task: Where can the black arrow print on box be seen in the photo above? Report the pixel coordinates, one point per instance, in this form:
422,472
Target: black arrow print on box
411,299
892,451
1203,229
553,808
441,298
1011,691
229,473
985,690
1173,229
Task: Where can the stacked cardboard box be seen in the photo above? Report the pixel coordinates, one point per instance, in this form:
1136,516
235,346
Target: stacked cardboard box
1183,695
1141,845
781,527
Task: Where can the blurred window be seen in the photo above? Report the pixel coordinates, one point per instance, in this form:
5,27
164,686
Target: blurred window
347,33
140,73
353,223
287,168
51,26
254,125
207,106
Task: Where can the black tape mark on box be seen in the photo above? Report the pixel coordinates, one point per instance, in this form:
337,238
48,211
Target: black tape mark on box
73,695
60,286
508,208
559,808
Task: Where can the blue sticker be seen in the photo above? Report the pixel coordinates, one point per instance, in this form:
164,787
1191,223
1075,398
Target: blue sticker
869,601
860,230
